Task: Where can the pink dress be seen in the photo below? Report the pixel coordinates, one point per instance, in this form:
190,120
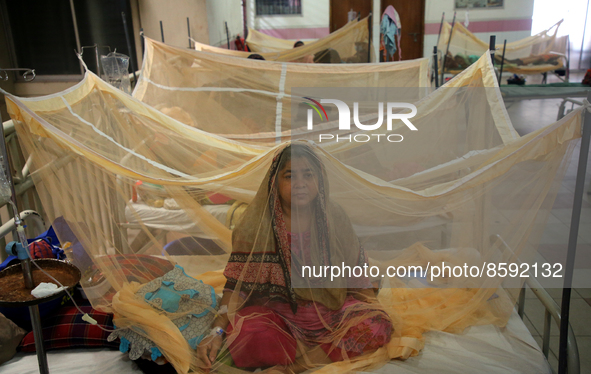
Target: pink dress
272,327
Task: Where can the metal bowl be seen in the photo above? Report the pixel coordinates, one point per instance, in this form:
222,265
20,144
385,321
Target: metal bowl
12,285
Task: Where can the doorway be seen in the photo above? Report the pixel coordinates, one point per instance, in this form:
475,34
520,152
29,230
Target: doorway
412,19
339,10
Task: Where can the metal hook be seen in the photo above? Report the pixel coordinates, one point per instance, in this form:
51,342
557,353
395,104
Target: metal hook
26,74
108,47
81,52
95,46
96,52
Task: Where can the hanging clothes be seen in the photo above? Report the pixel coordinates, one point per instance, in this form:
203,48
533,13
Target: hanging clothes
390,29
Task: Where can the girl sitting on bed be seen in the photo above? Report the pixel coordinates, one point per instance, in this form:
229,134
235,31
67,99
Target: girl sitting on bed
276,317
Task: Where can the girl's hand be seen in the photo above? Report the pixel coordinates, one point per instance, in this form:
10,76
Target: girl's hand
208,350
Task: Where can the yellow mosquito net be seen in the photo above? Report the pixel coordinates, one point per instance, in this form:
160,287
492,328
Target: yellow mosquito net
260,42
532,55
250,100
161,217
348,44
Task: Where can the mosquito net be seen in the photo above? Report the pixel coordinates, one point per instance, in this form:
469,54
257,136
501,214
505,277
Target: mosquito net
180,232
347,44
248,99
532,55
261,42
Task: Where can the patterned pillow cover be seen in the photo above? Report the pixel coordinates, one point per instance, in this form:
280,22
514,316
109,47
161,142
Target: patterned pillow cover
174,292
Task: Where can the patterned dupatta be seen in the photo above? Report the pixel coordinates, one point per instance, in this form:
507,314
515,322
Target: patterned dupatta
261,259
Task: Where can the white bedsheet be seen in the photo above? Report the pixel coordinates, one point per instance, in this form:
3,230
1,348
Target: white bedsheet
70,361
481,349
172,220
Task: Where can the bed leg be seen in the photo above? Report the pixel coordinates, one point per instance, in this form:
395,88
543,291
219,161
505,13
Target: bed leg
38,333
546,337
561,109
521,303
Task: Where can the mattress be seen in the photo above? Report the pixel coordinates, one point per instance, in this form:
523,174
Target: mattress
544,91
480,349
171,220
91,361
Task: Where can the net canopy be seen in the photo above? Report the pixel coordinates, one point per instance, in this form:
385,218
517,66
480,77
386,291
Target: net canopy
532,55
464,188
246,99
347,44
260,42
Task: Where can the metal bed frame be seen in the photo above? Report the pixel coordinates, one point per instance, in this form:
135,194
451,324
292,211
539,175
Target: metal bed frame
551,312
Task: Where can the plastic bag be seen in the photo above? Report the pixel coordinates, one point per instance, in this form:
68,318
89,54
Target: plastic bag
5,192
116,71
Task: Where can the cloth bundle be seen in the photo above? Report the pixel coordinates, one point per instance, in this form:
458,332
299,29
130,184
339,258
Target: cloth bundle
192,302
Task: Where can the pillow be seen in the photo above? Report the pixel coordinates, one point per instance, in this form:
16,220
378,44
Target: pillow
10,337
192,302
65,329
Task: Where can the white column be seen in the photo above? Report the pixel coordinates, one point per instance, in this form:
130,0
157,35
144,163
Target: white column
377,16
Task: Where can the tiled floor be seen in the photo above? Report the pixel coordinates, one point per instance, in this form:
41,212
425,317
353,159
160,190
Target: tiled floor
526,117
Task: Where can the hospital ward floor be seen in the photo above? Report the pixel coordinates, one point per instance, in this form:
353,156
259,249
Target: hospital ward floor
528,116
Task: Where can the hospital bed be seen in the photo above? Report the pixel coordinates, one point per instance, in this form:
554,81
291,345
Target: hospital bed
479,349
559,90
488,348
160,221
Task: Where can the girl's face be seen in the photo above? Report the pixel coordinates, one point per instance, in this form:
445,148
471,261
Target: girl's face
297,183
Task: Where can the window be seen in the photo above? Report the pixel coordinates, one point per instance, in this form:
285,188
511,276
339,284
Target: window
278,7
41,34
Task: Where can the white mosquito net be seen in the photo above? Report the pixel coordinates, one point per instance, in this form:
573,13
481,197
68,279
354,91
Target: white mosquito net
532,55
348,44
136,192
246,99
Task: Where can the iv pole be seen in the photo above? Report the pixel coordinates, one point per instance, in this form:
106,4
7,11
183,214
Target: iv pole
29,75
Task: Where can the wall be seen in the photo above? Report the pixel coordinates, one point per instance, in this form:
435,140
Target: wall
220,11
173,14
512,22
312,24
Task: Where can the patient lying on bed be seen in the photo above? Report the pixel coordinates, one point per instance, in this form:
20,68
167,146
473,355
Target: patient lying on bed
308,59
272,323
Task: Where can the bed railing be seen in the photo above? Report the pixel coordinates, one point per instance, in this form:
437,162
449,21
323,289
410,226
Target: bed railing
97,198
562,111
23,184
551,312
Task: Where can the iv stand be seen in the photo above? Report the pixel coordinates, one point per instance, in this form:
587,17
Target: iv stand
29,75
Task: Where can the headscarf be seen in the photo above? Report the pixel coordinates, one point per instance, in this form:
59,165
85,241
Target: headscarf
261,259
